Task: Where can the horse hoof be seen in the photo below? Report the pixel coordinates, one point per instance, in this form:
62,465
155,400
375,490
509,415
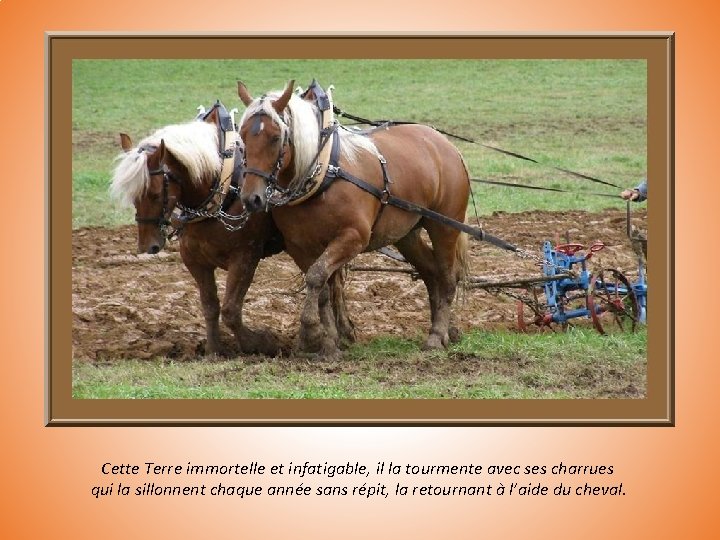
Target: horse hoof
433,342
347,333
347,339
330,352
259,341
311,338
330,348
454,334
211,351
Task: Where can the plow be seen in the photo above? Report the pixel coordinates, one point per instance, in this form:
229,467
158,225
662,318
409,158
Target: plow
566,289
569,290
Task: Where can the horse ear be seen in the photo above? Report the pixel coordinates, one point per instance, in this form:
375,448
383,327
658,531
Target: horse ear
162,151
126,142
166,157
243,93
280,103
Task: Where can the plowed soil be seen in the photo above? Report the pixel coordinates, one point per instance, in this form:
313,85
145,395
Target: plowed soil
140,306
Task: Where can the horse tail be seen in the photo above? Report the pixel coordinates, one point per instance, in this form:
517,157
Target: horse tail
461,258
461,248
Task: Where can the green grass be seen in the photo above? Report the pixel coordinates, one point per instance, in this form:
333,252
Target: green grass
499,365
584,115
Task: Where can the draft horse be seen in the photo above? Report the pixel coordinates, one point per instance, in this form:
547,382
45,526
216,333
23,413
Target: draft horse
281,134
180,165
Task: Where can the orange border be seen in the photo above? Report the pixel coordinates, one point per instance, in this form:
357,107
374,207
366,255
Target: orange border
668,473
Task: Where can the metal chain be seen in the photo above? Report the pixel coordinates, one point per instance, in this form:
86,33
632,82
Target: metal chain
231,222
225,219
537,307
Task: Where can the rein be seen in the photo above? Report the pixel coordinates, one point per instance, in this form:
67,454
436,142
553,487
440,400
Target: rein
556,190
361,120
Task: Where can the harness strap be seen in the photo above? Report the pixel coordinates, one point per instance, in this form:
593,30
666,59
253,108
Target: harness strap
388,199
333,161
385,193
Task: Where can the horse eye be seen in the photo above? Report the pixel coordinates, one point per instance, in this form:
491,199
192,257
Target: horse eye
275,139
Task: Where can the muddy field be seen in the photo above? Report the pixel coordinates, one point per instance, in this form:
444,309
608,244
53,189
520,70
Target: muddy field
130,306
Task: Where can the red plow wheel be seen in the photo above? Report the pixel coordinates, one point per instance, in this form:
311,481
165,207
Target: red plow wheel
569,249
529,313
612,302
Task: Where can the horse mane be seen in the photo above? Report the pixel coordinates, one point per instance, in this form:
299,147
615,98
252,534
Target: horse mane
193,144
305,131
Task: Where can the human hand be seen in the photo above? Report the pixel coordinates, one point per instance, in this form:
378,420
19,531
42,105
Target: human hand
630,194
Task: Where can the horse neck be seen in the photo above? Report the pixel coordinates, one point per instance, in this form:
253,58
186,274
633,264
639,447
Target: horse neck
288,173
193,195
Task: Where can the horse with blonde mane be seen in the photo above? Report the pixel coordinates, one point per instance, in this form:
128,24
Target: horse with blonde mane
281,135
179,165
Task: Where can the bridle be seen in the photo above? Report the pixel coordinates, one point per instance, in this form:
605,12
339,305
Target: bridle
271,178
162,220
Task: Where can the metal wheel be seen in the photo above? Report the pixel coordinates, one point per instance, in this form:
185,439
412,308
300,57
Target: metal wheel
612,302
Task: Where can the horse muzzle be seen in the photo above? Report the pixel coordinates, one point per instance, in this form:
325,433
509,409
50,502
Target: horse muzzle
153,247
254,202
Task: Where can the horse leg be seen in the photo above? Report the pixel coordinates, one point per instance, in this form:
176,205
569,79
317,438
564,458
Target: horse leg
449,255
421,256
341,250
241,271
205,278
345,327
327,317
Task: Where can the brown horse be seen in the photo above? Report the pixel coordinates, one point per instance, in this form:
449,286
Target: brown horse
280,132
179,165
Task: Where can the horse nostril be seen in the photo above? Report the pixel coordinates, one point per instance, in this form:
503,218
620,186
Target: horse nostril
253,203
154,249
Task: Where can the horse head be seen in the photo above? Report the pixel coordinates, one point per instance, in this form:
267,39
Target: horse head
268,150
175,165
161,191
